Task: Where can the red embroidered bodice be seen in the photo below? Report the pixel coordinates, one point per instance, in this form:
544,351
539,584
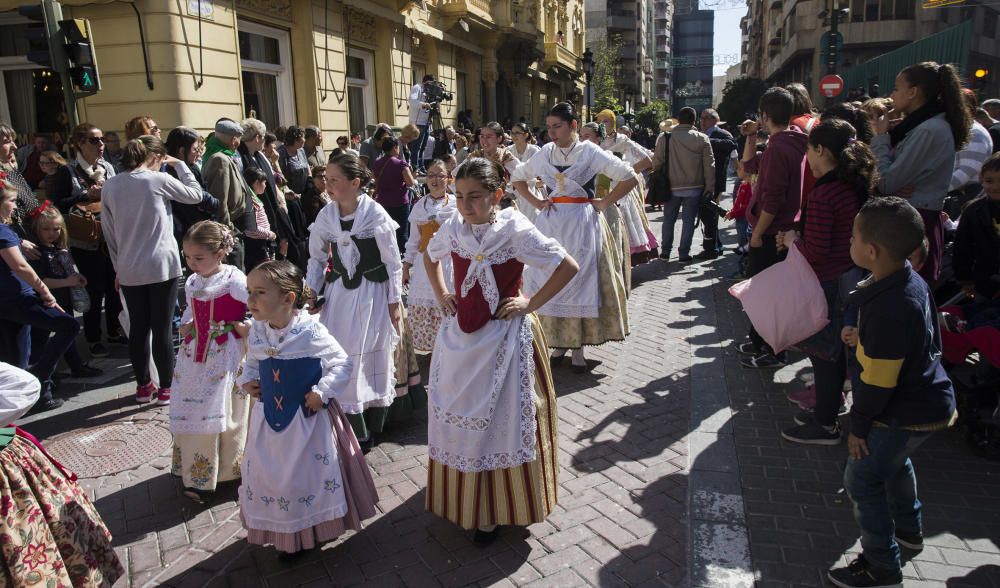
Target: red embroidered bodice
473,310
224,309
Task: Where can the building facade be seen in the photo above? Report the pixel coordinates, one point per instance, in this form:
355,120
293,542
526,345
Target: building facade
342,65
693,50
782,37
629,22
663,73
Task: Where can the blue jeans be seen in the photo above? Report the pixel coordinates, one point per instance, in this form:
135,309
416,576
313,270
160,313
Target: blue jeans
883,488
688,209
417,151
742,232
26,311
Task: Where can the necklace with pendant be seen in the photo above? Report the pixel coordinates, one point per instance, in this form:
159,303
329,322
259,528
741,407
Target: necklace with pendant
272,347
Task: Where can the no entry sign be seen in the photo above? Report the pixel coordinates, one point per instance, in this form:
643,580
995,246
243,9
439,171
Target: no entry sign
831,85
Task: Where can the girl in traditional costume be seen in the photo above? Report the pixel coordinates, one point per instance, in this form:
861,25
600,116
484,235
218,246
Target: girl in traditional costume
355,263
305,480
50,532
209,412
642,243
427,215
619,252
492,422
491,140
591,310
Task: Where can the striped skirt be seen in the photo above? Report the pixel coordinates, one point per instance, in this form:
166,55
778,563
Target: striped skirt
521,495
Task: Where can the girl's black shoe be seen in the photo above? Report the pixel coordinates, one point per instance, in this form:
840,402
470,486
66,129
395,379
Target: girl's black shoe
484,538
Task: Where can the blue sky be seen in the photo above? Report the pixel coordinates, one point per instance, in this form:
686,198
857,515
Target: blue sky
727,34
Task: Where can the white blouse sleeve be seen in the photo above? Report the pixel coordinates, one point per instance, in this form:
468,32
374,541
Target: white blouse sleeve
538,251
186,316
336,366
319,252
250,371
238,286
18,392
614,168
389,252
528,171
413,243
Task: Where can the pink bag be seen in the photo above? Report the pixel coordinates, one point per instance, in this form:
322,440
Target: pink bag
785,302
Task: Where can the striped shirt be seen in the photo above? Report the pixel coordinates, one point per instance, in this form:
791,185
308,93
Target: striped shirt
969,160
263,230
829,217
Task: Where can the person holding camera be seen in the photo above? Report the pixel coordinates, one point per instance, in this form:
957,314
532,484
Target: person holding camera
692,175
420,115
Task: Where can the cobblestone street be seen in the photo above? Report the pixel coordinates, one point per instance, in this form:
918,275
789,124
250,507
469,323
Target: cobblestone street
673,472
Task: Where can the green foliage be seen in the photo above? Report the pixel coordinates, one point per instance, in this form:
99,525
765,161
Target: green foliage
740,97
650,115
604,84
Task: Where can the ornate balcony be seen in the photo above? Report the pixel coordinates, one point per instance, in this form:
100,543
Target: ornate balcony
477,11
557,55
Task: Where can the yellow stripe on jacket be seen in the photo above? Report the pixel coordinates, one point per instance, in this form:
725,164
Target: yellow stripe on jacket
883,373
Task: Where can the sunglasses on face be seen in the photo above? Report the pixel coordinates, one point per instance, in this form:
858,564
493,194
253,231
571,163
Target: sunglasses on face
437,177
154,128
44,161
95,140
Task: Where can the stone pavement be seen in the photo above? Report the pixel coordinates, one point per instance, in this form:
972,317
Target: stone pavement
672,473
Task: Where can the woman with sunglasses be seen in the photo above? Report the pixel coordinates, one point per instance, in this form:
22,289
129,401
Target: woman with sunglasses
76,190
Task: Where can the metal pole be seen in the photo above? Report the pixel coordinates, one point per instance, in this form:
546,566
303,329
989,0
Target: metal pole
588,98
53,14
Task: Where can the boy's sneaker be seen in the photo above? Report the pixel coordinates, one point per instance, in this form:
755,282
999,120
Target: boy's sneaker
763,361
861,574
144,394
683,258
910,540
812,433
747,348
163,396
99,350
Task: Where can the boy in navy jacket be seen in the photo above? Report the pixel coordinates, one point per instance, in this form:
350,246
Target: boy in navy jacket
902,392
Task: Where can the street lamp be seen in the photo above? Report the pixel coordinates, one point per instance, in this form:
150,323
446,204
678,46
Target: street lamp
588,71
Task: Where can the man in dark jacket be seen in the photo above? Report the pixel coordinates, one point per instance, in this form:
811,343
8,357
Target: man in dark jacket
723,145
775,203
291,245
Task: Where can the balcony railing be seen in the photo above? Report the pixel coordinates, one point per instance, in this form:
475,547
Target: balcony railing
478,9
556,54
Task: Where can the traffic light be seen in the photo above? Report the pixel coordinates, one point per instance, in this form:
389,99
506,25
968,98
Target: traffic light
39,35
981,77
80,57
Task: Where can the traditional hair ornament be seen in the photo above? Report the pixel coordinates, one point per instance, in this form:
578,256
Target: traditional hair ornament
851,141
37,212
228,241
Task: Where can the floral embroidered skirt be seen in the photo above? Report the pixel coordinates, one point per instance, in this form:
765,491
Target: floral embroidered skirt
424,322
359,490
520,495
50,533
612,323
619,242
205,460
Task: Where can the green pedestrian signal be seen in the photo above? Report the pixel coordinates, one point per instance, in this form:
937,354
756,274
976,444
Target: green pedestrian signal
79,46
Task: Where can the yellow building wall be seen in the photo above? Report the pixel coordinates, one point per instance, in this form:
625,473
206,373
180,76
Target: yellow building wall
330,60
174,64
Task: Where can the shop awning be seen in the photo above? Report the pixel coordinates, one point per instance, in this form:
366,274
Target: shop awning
948,46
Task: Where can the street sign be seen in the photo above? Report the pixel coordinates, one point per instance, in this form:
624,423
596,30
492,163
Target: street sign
831,85
832,47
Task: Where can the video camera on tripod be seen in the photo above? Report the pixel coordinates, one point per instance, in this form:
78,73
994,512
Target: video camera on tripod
436,92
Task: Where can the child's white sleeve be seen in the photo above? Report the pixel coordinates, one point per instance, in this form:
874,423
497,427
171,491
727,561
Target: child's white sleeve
187,316
249,371
336,366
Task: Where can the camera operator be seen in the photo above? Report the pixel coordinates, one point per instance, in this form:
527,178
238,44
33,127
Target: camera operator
420,115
